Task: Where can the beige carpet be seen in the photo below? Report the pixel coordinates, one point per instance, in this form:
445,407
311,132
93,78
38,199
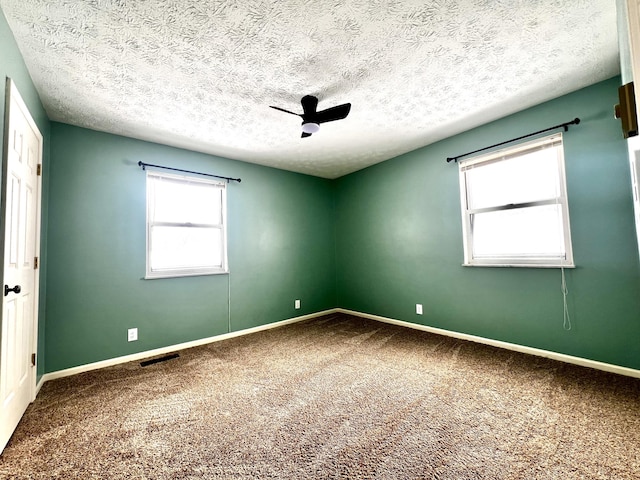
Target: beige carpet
333,397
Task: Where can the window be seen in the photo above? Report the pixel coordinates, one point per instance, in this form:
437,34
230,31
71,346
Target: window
186,233
514,207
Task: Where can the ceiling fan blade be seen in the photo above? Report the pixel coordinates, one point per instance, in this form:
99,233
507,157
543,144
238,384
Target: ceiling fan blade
333,113
309,105
285,111
305,135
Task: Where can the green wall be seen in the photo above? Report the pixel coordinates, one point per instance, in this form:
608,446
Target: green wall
280,248
399,241
12,66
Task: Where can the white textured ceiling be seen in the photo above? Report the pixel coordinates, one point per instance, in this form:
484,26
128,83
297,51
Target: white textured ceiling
202,74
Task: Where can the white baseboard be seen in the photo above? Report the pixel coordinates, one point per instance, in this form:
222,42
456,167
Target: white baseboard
583,362
172,348
607,367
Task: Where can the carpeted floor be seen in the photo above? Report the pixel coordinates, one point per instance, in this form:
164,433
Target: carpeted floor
333,397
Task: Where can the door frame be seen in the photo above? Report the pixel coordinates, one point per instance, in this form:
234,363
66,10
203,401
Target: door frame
12,94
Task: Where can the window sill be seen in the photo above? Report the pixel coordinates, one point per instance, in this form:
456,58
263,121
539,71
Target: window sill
157,276
518,265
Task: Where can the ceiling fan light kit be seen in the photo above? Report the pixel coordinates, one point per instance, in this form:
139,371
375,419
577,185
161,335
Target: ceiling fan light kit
311,118
310,127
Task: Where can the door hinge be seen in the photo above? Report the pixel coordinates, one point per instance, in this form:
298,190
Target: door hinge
35,263
39,169
33,359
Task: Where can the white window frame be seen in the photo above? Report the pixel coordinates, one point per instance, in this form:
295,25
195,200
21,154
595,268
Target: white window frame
565,261
152,273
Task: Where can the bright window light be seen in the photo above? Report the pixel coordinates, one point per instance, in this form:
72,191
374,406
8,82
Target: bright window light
514,207
185,226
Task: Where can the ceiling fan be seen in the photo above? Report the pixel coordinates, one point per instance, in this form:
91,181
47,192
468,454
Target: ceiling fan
311,118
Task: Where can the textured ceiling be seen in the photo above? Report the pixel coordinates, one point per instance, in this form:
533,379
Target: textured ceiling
202,74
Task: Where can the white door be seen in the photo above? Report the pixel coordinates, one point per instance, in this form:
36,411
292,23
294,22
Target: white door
20,230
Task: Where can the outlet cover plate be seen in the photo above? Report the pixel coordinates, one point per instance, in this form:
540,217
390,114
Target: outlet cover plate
419,308
297,304
132,334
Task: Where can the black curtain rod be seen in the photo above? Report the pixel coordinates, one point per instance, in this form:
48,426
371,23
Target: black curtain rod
228,179
575,121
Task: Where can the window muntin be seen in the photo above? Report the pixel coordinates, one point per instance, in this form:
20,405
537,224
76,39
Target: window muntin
186,232
514,207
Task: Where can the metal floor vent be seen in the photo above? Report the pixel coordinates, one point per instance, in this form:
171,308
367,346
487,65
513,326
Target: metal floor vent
159,359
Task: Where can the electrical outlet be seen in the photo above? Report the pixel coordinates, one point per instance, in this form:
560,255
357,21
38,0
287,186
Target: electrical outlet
419,308
132,334
297,304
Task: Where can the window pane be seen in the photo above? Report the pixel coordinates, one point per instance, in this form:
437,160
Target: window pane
521,232
181,201
185,247
527,178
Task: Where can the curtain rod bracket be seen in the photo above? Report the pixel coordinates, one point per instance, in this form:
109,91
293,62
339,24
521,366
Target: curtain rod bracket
228,179
565,126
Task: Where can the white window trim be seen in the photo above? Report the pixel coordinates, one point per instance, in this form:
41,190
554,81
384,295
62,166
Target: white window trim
467,213
192,271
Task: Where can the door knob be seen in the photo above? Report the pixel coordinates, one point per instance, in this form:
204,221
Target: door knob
15,289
